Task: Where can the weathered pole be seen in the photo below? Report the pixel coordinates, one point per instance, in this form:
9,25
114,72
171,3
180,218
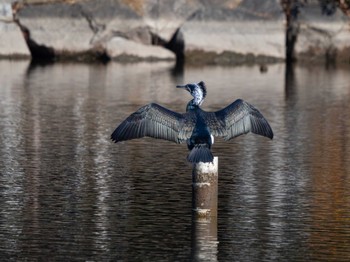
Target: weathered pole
205,189
204,244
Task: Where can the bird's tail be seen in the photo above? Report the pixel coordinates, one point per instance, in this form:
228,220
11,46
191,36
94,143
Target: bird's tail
200,153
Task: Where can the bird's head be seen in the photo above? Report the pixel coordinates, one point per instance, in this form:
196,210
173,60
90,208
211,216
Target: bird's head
197,90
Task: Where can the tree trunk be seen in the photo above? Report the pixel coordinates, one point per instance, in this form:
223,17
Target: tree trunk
291,10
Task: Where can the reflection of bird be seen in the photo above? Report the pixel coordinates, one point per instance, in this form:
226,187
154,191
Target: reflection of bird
196,127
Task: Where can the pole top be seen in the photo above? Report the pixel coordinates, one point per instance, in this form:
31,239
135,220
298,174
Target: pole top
207,168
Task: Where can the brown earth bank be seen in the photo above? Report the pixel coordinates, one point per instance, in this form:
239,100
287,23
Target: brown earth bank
228,32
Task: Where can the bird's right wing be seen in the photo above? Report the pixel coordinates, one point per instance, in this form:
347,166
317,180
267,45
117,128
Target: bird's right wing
240,118
154,121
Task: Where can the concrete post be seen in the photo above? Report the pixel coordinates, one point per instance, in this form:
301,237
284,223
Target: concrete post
205,189
204,244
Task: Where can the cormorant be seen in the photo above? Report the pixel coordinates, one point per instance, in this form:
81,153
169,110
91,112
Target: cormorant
197,127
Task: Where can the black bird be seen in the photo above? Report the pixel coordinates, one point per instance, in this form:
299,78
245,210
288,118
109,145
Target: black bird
197,127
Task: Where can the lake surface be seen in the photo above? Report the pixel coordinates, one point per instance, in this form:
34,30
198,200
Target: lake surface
67,193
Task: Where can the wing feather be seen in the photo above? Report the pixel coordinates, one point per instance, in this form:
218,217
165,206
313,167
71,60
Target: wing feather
239,118
155,121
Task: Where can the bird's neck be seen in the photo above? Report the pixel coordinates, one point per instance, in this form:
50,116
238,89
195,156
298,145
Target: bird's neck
192,105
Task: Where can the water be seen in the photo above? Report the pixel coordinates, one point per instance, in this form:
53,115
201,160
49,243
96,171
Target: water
68,193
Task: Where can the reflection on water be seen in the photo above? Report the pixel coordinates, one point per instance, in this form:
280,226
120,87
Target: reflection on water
67,191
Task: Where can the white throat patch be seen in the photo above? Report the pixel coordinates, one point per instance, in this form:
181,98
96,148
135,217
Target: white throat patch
197,93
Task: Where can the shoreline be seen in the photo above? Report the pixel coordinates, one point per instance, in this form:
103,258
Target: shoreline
197,34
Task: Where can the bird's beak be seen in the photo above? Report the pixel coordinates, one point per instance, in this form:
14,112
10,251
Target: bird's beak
182,86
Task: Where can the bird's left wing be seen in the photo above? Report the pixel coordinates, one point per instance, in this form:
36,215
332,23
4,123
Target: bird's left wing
154,121
237,119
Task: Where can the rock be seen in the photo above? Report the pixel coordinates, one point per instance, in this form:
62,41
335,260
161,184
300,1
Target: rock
250,28
60,26
323,36
240,27
12,43
218,32
122,49
89,25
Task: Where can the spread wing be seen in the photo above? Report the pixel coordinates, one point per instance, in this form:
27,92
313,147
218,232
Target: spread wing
237,119
155,121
